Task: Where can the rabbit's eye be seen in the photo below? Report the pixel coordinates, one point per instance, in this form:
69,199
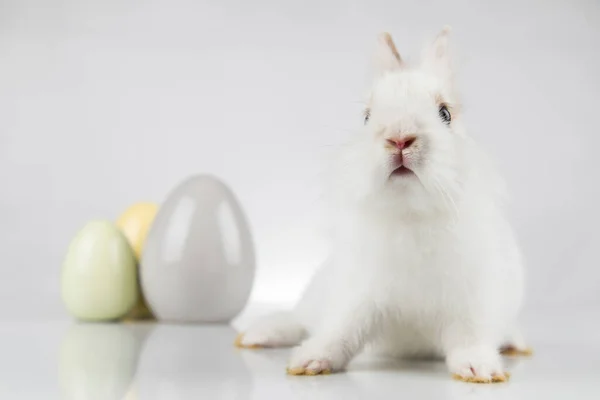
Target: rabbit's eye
445,114
367,115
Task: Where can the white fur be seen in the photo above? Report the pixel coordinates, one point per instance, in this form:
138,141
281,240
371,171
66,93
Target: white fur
420,265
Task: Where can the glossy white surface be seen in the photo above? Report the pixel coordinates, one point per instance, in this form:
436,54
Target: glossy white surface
65,360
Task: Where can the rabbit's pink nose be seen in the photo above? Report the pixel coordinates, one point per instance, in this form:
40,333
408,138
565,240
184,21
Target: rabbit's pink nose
403,143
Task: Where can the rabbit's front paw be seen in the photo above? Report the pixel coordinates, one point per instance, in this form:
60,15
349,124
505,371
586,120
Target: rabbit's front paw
477,364
312,358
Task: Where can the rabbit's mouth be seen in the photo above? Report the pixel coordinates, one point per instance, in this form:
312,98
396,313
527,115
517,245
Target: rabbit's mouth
399,167
402,170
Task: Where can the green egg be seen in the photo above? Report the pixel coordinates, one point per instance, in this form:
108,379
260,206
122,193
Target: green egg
99,276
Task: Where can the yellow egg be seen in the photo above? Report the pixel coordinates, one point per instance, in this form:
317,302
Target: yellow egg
135,223
99,276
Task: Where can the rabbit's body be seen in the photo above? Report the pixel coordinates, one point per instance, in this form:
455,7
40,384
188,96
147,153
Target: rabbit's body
417,280
423,261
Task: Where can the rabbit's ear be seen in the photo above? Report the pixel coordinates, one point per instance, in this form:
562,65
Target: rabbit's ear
387,57
436,55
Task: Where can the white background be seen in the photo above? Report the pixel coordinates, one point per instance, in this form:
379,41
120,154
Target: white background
105,103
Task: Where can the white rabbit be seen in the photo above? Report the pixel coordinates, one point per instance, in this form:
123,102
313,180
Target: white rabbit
423,261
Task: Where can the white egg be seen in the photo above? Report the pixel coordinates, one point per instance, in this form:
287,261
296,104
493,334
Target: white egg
198,261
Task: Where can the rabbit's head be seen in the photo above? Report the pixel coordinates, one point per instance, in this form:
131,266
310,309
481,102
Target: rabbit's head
413,151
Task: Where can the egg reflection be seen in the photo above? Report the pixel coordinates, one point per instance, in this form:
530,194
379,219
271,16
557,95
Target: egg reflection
193,362
198,261
99,361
